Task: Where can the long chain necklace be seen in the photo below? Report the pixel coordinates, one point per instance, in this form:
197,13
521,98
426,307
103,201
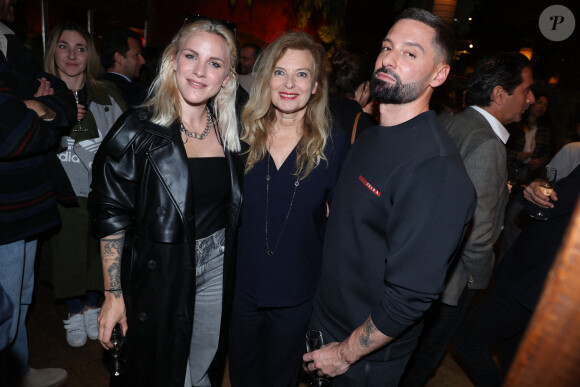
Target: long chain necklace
198,136
296,184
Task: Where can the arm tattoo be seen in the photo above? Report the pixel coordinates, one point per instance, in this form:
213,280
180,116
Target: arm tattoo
112,247
365,339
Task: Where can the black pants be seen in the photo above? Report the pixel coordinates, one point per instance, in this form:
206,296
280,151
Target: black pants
498,320
441,324
266,344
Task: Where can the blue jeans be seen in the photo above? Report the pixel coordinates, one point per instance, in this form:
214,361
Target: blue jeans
209,265
17,279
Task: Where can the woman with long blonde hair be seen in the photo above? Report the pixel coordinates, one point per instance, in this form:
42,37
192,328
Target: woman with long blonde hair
292,165
165,203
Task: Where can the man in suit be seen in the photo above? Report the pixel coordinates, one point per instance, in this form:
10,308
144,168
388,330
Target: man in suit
498,92
503,315
121,56
34,109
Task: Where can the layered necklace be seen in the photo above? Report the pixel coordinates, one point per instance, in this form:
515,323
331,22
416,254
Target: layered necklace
198,136
296,184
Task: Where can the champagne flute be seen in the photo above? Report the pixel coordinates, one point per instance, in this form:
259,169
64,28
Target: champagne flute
547,182
314,341
117,365
77,94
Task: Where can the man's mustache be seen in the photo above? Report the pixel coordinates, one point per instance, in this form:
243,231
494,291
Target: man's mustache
388,72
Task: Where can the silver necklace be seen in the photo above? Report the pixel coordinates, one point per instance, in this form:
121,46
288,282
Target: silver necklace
296,184
198,136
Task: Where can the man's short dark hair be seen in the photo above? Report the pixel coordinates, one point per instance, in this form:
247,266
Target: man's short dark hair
496,69
444,39
256,48
116,41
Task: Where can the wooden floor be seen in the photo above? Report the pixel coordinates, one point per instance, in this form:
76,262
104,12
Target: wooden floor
86,365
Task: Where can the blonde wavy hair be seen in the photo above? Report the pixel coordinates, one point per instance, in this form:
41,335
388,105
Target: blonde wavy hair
163,96
259,114
92,72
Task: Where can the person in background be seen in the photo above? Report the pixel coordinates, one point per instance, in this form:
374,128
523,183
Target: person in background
528,151
350,92
498,91
293,162
402,204
249,53
77,278
121,56
530,144
165,202
34,110
503,315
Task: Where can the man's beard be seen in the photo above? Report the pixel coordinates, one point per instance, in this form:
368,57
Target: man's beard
393,94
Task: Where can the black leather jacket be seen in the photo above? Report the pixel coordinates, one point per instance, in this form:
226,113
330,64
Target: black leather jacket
141,184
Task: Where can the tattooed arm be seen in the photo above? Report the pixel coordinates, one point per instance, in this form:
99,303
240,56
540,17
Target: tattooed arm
336,358
113,309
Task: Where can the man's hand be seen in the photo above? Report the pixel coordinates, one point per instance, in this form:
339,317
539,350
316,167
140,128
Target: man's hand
44,89
533,194
328,360
43,111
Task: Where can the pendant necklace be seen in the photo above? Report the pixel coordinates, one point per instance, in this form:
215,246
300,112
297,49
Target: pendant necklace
198,136
296,184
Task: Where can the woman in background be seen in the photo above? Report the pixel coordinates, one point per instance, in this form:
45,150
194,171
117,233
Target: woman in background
77,276
293,163
351,74
165,203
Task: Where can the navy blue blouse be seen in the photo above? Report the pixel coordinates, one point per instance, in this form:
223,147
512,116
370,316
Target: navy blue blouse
288,277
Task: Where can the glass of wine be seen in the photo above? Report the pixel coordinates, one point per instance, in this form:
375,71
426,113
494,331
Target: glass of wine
77,94
314,341
547,182
117,365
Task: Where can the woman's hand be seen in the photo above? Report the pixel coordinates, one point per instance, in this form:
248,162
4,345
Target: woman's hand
81,112
112,312
522,156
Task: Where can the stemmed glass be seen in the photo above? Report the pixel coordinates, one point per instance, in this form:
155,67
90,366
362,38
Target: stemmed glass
77,94
117,365
547,182
314,341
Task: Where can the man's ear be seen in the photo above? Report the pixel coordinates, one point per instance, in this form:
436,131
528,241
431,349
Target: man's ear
441,74
498,95
119,59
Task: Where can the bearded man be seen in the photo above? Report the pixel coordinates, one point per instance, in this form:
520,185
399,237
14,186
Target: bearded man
400,209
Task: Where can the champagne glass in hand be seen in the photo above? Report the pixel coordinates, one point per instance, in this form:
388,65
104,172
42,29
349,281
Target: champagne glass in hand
314,341
547,182
117,365
77,94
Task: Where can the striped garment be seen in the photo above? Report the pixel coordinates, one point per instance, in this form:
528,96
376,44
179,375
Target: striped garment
27,199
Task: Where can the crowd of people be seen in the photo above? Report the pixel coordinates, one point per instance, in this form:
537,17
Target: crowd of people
248,196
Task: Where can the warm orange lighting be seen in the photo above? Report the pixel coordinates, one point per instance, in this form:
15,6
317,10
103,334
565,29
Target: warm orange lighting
554,80
445,9
527,52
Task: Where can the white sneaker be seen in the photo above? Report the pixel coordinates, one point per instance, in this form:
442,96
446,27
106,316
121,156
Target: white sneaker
91,323
76,334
